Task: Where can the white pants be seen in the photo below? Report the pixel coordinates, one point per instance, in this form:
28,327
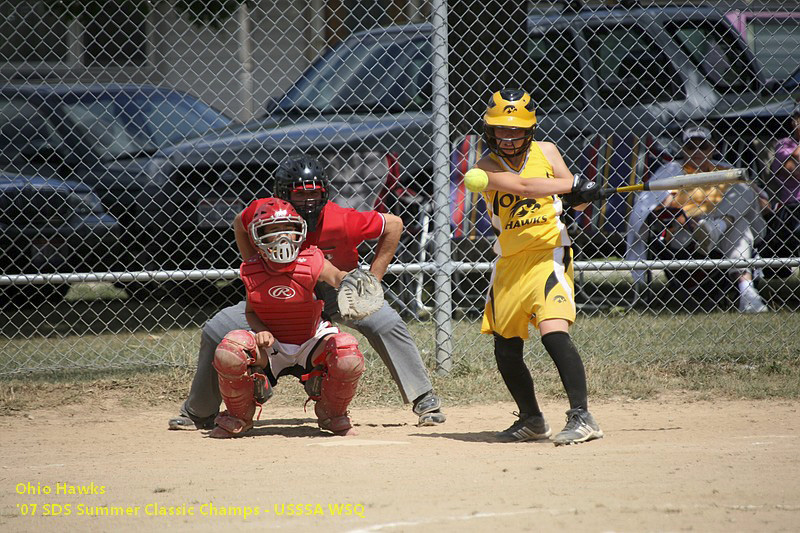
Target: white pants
284,355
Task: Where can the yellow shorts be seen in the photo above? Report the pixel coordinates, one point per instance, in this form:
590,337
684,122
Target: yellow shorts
527,288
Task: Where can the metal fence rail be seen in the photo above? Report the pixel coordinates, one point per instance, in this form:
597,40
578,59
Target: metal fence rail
131,134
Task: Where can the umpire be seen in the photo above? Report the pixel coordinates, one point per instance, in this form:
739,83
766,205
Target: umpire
337,231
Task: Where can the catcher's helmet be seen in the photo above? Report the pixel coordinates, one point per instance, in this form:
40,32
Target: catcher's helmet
277,231
303,172
510,109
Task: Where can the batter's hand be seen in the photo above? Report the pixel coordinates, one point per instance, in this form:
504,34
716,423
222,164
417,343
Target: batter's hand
583,191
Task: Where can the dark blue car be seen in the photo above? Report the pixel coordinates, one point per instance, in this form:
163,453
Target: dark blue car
110,138
49,226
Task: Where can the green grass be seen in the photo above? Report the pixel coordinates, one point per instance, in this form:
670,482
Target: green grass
626,355
101,344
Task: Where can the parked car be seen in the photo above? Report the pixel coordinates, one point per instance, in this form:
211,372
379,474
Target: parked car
109,137
207,181
49,226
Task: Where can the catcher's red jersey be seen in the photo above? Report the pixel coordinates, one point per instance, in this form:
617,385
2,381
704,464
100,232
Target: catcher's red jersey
339,232
285,301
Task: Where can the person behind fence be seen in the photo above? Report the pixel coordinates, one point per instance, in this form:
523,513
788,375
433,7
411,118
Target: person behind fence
709,221
784,238
532,279
302,181
287,334
786,164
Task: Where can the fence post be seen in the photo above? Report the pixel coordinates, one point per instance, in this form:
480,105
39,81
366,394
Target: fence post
441,187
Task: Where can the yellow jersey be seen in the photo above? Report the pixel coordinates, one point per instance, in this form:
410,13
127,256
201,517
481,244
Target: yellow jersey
523,224
701,201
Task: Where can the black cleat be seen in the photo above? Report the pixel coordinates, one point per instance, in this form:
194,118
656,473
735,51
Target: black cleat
533,427
428,408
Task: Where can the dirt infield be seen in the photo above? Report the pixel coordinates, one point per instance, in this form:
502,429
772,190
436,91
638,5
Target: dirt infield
663,466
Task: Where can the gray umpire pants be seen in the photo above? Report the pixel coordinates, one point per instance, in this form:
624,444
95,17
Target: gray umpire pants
385,331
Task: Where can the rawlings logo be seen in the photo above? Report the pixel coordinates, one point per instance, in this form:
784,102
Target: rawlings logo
281,292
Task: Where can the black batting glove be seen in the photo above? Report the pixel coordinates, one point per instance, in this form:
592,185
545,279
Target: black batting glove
583,191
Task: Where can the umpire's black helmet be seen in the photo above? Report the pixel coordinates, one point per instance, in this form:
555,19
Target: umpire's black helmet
303,172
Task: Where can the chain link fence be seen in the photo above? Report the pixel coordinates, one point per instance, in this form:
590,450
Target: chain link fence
132,132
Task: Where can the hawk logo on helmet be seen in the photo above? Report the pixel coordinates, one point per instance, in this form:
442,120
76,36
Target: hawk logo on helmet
559,299
510,109
282,292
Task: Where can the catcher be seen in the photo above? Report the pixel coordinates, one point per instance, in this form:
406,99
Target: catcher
288,335
302,181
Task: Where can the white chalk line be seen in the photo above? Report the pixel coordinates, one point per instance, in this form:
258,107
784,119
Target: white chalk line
767,437
472,516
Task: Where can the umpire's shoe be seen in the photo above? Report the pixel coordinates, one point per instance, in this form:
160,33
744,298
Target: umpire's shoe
187,422
428,408
580,427
527,427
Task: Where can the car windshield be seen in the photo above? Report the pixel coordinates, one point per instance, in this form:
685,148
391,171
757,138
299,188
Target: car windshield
717,52
123,123
370,76
170,117
775,42
98,123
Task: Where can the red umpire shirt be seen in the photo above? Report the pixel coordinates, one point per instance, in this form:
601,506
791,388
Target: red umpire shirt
339,232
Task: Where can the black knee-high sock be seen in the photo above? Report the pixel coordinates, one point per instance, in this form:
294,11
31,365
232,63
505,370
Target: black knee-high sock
508,354
570,367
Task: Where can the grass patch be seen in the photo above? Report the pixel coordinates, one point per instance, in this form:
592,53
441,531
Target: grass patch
145,353
638,357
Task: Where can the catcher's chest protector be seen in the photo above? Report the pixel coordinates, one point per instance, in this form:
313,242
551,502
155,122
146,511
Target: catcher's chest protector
285,301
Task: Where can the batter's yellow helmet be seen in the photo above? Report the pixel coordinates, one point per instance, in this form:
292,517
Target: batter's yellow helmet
509,108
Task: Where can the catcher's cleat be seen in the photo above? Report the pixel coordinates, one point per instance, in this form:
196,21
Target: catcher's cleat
428,408
229,427
338,425
581,427
527,427
188,423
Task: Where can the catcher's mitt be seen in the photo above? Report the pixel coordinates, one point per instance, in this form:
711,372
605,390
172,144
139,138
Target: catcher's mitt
360,294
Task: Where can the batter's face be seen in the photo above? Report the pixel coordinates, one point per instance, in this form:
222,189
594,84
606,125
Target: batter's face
509,140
